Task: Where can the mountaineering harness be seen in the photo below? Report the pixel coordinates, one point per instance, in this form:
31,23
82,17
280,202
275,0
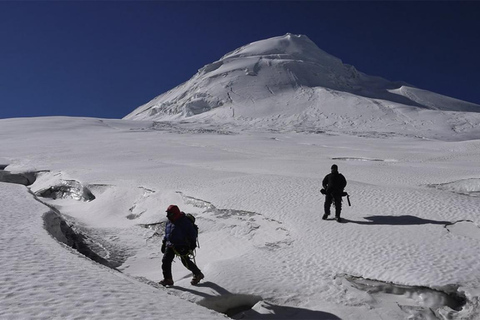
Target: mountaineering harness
344,194
190,254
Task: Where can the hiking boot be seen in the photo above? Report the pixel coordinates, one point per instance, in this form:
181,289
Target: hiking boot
325,216
196,278
339,219
166,282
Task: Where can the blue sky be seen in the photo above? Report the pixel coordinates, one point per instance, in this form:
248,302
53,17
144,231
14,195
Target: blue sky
104,59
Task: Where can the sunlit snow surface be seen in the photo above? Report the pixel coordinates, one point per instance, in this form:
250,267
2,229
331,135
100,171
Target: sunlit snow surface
409,246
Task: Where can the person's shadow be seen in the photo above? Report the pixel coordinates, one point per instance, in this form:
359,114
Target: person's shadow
405,220
239,306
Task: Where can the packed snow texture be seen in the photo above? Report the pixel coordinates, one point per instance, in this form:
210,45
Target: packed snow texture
409,246
287,83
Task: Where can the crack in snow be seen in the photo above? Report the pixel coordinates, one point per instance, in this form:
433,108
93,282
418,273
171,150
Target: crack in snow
419,302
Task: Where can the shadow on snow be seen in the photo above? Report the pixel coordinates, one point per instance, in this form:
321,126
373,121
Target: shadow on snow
240,306
405,220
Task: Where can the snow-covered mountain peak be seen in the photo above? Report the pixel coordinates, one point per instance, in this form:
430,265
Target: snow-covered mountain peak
288,82
288,61
257,73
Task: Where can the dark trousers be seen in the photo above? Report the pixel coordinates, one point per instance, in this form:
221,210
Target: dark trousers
329,199
167,260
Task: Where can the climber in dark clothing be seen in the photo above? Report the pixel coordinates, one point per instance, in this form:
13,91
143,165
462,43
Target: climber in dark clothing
333,185
180,239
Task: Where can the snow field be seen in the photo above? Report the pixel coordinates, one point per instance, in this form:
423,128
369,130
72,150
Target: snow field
257,202
43,279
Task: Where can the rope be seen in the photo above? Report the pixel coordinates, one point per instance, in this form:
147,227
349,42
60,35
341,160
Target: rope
190,253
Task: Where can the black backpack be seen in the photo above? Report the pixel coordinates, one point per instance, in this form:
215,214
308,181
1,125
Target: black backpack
191,217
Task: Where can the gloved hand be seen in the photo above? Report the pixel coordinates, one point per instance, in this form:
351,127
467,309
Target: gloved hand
163,246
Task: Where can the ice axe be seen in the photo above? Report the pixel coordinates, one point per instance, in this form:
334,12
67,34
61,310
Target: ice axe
348,198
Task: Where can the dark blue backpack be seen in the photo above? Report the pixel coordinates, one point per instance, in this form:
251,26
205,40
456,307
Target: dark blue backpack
191,217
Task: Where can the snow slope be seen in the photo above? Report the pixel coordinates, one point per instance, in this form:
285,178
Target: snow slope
289,83
409,247
44,279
